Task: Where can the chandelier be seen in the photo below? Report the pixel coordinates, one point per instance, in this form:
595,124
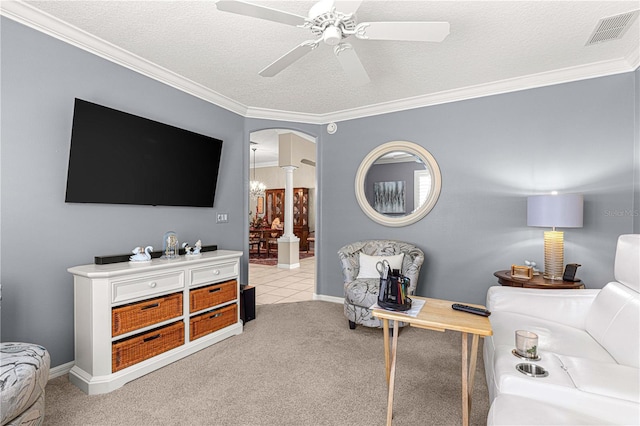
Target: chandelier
256,188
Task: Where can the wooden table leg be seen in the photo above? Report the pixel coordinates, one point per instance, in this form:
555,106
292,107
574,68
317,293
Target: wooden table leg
465,380
472,367
469,361
385,333
392,377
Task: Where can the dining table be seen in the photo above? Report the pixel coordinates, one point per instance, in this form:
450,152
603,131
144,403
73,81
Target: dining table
263,236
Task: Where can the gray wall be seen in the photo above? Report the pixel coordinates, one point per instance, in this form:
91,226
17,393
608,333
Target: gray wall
41,235
636,176
493,152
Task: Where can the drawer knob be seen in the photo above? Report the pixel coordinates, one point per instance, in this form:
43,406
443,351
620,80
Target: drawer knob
216,272
153,284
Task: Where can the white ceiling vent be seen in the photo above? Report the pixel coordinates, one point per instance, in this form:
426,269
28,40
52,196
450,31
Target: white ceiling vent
612,28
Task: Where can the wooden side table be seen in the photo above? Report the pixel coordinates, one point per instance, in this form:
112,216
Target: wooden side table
436,315
538,281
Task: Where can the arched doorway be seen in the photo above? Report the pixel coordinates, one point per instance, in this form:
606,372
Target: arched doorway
276,284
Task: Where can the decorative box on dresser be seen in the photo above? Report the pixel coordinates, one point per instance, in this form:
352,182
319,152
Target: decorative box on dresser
275,208
131,319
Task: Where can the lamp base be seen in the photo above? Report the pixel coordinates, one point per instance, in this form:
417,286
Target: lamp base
552,277
553,255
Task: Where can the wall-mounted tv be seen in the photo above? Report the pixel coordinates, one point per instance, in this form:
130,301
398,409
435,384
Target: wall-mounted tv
120,158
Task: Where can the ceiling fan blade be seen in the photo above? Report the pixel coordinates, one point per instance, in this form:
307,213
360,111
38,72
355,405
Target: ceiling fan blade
404,31
351,64
261,12
289,58
347,6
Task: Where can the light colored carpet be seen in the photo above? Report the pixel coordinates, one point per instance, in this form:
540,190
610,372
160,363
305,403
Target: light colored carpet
295,364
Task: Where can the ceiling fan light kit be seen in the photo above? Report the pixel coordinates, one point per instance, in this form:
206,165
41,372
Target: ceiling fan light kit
332,35
331,22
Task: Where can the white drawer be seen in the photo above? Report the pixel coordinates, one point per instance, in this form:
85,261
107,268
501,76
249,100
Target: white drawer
221,271
146,286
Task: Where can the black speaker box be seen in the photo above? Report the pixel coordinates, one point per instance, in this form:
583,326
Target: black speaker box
116,258
247,303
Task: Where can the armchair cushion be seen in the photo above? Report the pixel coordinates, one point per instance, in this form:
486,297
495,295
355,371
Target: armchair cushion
368,268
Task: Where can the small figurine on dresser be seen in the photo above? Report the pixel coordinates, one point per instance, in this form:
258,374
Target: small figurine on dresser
191,252
141,255
533,265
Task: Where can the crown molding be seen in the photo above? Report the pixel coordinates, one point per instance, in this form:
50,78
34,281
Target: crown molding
45,23
279,115
633,58
34,18
549,78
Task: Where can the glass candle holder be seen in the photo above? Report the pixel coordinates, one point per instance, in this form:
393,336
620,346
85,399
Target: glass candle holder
526,344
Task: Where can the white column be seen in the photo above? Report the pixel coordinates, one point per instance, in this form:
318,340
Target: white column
288,203
288,244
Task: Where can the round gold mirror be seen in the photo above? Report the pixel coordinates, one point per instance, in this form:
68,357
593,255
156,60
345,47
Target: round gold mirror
398,183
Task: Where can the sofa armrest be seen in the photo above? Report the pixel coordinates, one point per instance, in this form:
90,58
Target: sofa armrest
568,307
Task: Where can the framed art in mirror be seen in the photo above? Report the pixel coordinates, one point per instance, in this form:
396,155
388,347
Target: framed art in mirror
398,183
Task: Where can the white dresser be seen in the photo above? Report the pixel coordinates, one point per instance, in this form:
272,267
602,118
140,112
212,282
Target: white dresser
133,319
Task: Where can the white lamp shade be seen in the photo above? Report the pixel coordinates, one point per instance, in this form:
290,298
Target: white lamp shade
562,211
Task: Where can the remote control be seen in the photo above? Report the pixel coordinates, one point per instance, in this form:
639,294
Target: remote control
471,309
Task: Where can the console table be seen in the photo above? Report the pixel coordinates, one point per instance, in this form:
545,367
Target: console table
131,319
538,281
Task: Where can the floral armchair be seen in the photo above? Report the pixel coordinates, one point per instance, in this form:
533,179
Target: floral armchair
361,290
24,372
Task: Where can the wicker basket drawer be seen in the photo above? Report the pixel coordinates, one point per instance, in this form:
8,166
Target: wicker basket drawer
212,295
142,314
133,350
206,323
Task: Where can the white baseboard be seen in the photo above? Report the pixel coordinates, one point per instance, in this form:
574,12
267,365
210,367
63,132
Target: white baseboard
288,266
332,299
61,370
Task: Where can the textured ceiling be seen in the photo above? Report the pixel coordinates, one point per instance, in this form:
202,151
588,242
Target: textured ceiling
494,46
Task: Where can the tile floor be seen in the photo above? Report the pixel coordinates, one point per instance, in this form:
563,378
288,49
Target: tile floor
276,285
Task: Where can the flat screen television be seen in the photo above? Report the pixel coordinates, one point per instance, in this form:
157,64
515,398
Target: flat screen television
120,158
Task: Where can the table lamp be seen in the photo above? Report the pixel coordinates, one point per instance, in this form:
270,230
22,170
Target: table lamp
551,211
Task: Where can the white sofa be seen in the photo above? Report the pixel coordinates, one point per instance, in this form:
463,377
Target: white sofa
588,343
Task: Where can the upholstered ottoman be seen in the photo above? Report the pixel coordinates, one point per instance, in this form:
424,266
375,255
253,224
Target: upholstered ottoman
24,371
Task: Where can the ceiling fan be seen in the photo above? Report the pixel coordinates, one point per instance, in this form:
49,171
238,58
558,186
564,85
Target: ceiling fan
332,22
